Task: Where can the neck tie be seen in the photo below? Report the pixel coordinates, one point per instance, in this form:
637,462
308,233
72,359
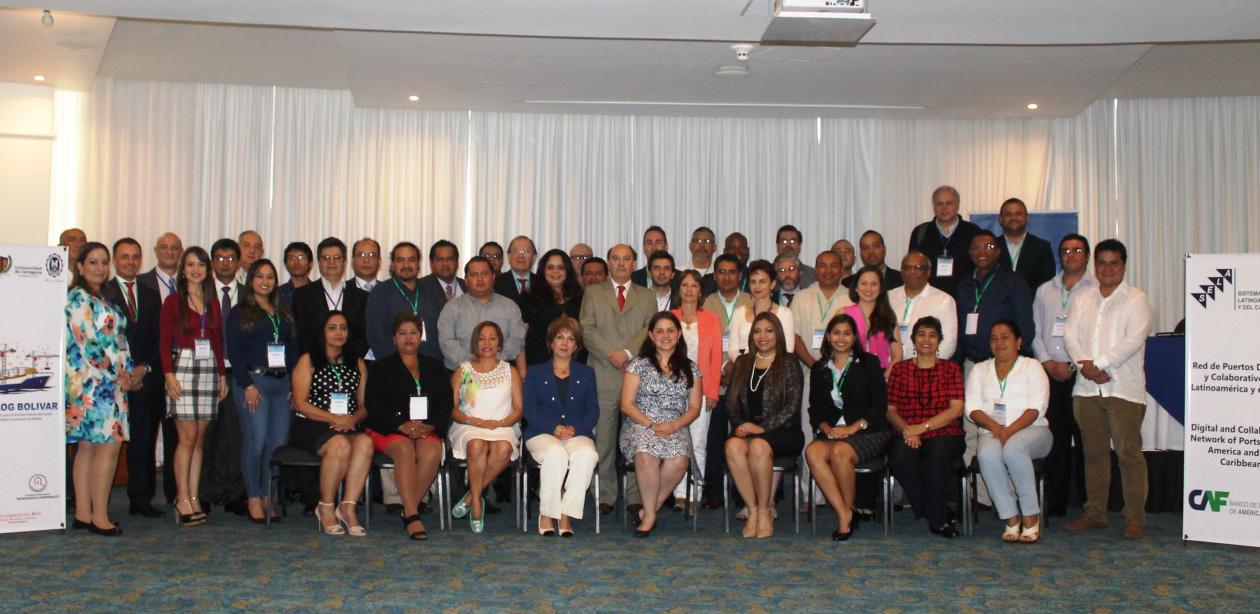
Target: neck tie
621,298
521,285
131,299
450,292
225,305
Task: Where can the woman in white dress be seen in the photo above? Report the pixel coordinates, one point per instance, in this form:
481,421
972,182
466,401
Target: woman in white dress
761,288
486,430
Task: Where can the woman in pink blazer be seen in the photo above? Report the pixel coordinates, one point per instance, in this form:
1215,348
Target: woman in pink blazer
702,333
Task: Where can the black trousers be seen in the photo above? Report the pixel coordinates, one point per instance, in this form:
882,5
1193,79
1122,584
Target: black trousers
1065,461
145,409
221,480
715,451
926,474
170,439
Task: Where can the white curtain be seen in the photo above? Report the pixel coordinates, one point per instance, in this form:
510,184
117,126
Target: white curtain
1167,177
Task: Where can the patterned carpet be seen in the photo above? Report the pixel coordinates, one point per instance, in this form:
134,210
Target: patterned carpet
231,564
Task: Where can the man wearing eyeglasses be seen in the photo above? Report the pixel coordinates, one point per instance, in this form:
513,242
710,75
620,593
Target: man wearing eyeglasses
702,246
516,282
918,299
787,278
222,482
312,302
1050,311
297,262
788,241
1022,251
493,253
873,252
946,239
988,294
366,260
579,254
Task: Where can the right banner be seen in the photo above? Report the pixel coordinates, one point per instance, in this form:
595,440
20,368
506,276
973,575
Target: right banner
1222,446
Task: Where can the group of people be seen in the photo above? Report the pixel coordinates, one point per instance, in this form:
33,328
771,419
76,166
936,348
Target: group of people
717,365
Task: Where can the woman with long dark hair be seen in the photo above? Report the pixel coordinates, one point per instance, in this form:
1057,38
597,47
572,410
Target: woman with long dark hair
660,396
876,321
764,407
263,349
560,294
191,327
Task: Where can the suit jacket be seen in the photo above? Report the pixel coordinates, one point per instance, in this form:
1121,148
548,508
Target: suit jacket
388,397
864,392
605,328
708,285
1036,261
543,413
144,330
310,308
892,279
640,277
505,285
926,237
432,299
777,296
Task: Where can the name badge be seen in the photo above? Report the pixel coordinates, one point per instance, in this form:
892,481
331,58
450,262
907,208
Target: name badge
726,342
999,413
944,266
1060,325
818,339
419,408
973,323
201,349
907,344
339,403
275,356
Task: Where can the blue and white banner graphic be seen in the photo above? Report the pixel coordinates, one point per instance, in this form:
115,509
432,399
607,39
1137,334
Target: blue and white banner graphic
32,411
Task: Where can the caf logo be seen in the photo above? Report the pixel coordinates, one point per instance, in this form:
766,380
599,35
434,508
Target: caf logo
54,265
6,263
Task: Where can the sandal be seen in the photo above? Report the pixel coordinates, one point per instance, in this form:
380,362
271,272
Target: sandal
1011,533
1031,534
354,531
328,529
419,535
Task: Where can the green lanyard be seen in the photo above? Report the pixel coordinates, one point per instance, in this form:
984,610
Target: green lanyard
1015,253
843,373
413,303
728,308
336,370
980,291
822,312
417,381
275,327
905,312
1002,381
1067,296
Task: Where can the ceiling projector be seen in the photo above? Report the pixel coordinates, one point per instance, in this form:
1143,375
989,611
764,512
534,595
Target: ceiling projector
825,23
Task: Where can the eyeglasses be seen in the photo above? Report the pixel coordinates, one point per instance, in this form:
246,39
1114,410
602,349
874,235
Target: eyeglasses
790,269
703,241
492,256
984,246
297,257
916,267
332,258
789,241
581,257
1071,250
225,258
366,255
522,252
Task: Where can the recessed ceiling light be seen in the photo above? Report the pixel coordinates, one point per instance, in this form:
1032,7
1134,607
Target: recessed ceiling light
414,98
38,77
1032,106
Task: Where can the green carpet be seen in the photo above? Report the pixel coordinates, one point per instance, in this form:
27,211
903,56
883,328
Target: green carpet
232,564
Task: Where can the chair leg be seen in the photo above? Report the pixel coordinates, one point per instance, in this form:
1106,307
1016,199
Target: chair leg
596,506
813,508
796,500
892,488
367,502
965,506
726,503
887,503
692,488
524,477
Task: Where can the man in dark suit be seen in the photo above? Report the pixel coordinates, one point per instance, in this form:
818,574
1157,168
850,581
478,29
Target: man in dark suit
654,240
515,282
436,289
873,251
946,239
142,307
221,480
312,302
1028,255
161,279
787,278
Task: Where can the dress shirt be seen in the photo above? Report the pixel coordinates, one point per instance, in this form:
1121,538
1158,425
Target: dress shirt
954,242
451,289
726,310
334,294
1004,295
166,283
365,285
810,312
929,302
1027,387
384,302
663,300
1112,332
233,298
461,315
1052,302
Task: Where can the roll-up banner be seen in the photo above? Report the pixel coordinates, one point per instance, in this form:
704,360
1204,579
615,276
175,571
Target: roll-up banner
1222,446
32,412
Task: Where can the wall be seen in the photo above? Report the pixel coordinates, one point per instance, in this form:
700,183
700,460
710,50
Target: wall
26,146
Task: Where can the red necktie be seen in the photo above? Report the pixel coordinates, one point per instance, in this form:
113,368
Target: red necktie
621,298
131,299
450,292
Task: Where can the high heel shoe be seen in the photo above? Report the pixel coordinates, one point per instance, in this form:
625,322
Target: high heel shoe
419,535
854,523
196,513
549,532
353,531
190,519
333,529
113,531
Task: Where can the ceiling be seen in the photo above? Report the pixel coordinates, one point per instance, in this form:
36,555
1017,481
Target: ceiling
983,58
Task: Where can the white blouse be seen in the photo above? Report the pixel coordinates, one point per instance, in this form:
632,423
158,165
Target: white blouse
1027,387
740,327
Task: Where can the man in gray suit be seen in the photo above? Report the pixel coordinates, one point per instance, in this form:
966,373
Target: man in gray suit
614,323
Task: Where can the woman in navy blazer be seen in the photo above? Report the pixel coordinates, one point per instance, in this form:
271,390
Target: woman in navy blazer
561,409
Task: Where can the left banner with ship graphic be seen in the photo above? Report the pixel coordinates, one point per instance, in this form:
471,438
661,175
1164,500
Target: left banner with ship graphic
32,405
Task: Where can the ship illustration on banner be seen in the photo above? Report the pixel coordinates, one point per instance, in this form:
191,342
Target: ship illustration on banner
23,372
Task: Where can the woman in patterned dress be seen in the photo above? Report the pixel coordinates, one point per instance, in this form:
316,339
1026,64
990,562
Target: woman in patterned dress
486,430
660,397
98,368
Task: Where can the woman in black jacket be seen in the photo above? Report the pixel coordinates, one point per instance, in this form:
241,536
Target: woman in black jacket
847,409
408,411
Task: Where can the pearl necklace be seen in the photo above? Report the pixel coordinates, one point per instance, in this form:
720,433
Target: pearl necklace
753,386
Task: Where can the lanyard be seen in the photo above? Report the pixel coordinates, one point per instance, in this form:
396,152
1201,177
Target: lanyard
1066,296
905,312
336,370
822,313
417,381
1015,253
203,323
980,291
843,373
944,239
275,327
728,308
414,303
170,284
1002,380
336,303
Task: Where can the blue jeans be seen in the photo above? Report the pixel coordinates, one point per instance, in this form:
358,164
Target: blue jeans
1008,470
263,430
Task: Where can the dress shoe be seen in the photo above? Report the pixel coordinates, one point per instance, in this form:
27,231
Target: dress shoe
1134,530
605,509
1084,523
146,510
113,531
634,509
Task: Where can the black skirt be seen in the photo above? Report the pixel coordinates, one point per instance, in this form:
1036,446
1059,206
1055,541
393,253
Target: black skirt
785,441
867,445
311,435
